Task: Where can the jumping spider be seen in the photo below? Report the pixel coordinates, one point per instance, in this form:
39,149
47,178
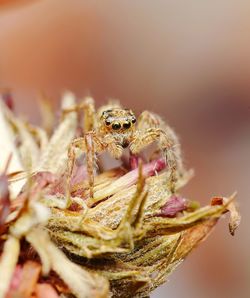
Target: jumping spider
113,128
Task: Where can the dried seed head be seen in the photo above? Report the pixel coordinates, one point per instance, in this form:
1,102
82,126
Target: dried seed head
125,239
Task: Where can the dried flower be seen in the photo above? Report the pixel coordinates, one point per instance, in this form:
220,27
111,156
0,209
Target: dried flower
56,238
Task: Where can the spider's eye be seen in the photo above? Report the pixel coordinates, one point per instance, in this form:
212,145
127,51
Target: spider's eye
107,122
126,125
133,120
116,126
106,112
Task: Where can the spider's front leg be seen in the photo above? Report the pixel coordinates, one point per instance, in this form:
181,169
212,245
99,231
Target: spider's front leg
143,138
89,114
151,120
90,144
88,108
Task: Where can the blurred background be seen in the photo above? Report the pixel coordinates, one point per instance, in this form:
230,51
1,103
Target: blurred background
186,60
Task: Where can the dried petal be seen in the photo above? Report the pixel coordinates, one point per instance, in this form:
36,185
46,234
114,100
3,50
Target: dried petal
16,278
174,205
82,283
8,263
47,113
28,280
55,156
133,161
45,290
7,98
127,180
8,147
235,217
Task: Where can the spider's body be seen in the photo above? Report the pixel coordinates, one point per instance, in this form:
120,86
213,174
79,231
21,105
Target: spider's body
113,128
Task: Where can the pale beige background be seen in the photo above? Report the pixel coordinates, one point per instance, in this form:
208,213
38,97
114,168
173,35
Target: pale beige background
188,61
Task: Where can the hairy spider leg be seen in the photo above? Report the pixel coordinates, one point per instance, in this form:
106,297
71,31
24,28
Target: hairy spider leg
91,144
85,144
149,120
88,108
166,144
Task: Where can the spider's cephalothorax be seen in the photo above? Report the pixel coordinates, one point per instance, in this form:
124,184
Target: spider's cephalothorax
113,128
119,123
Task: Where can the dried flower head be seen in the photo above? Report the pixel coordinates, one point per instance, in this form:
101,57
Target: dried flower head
70,226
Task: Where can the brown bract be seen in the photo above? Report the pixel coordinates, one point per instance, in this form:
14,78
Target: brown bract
123,238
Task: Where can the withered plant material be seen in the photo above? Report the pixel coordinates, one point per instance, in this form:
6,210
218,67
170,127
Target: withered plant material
8,144
47,113
122,238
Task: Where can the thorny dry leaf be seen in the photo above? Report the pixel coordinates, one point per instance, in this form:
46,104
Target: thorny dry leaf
124,242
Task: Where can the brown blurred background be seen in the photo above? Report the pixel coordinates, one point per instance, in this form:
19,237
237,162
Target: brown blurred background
188,61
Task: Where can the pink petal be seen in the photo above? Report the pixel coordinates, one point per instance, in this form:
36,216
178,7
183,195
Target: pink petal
45,290
174,205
